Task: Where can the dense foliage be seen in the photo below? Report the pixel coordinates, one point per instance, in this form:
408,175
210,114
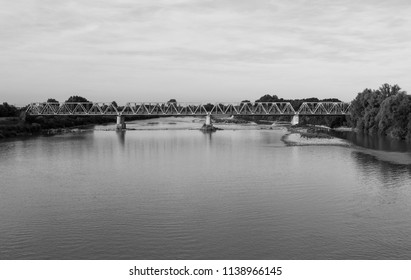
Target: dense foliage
52,100
76,98
386,111
10,123
7,110
296,103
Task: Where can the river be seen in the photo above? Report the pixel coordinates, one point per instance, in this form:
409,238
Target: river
166,191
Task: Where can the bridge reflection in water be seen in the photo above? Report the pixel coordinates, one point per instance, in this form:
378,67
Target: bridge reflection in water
188,109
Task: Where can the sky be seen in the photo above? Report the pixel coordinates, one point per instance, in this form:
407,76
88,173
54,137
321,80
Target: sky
201,50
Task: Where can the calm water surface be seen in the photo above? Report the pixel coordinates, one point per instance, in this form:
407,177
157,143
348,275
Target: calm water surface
183,194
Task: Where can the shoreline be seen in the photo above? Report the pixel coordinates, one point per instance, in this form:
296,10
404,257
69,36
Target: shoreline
296,139
399,158
304,136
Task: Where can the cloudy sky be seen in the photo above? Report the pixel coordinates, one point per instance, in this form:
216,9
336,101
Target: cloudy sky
201,50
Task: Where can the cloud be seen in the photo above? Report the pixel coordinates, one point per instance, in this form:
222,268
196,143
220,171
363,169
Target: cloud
209,35
343,28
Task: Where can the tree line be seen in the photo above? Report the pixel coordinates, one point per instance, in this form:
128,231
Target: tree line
386,111
296,103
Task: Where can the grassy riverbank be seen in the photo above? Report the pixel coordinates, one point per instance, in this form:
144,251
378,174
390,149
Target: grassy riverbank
26,129
14,127
11,127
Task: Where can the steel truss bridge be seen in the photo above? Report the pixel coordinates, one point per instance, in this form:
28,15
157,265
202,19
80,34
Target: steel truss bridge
187,109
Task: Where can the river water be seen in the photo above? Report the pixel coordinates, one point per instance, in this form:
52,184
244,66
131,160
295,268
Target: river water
165,191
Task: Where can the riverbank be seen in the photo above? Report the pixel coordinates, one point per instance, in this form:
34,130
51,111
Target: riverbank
13,127
27,130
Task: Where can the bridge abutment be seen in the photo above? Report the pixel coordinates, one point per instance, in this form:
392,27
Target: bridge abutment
295,120
121,124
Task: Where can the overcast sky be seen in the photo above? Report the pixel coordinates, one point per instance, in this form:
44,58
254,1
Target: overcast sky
201,50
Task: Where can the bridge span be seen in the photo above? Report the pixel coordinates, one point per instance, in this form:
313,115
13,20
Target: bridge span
188,109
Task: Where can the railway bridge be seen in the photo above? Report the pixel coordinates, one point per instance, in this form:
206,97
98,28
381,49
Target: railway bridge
188,109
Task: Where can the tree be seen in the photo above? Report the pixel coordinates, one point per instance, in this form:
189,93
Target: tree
364,109
268,98
208,107
76,98
52,100
7,110
386,111
409,127
3,110
55,104
387,90
392,117
330,100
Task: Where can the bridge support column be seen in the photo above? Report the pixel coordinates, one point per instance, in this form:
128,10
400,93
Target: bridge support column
208,120
295,120
121,124
208,125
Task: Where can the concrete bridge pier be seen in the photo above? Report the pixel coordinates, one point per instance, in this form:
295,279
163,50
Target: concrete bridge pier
295,120
208,119
208,125
121,124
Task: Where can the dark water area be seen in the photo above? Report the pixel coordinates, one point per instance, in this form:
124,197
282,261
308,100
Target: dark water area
374,142
184,194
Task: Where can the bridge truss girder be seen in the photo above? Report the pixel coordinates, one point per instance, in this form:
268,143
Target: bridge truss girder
187,109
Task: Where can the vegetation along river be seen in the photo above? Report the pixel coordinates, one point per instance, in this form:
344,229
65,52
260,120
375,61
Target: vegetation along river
167,191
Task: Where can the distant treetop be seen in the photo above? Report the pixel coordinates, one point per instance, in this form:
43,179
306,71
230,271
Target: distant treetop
268,98
52,100
76,98
275,98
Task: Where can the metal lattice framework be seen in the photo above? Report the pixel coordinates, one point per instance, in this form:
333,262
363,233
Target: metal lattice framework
187,109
